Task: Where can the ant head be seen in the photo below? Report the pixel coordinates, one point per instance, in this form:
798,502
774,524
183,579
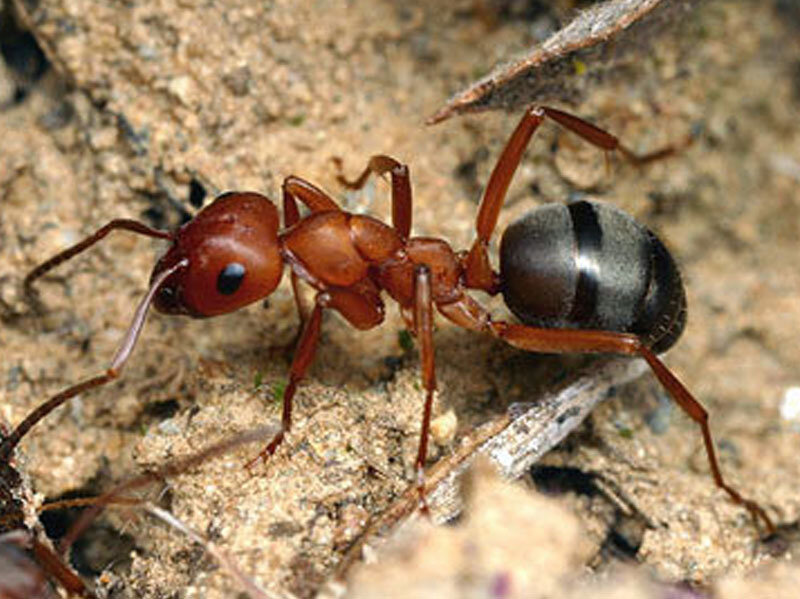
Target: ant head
233,258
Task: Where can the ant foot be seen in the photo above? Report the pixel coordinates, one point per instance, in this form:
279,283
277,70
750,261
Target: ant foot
265,453
424,509
775,544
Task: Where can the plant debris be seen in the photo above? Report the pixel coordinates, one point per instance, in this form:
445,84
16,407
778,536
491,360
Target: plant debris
599,41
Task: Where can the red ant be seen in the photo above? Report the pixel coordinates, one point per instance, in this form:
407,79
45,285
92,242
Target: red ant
583,277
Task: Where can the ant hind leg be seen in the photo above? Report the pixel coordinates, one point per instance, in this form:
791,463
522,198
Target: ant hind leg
478,270
594,341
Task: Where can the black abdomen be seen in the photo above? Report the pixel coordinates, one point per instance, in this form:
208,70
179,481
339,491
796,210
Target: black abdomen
588,265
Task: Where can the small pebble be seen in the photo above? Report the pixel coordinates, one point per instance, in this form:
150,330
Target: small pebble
790,405
443,428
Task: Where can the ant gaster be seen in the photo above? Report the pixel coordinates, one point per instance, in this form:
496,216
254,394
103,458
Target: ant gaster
582,277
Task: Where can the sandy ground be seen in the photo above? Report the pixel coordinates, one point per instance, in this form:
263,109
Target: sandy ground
147,98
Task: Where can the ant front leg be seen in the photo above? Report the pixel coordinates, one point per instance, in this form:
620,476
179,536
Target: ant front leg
401,188
295,188
316,200
478,270
592,341
303,356
361,306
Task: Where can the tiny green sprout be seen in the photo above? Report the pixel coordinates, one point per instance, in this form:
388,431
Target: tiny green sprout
258,380
405,340
625,432
278,390
579,66
297,120
479,71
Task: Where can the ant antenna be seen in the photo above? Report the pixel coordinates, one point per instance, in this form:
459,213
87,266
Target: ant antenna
120,357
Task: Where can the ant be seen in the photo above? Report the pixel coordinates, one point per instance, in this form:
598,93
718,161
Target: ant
582,277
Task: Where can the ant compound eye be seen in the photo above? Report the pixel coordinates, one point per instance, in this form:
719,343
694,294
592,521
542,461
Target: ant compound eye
230,278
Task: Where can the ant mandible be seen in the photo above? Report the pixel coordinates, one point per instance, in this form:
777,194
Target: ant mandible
582,277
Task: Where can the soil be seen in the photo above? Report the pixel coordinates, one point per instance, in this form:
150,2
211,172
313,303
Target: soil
146,105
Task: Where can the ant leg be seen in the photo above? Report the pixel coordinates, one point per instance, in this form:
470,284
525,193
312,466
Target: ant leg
120,223
308,193
478,270
423,327
579,341
359,307
608,142
316,200
468,313
303,356
479,273
401,187
120,358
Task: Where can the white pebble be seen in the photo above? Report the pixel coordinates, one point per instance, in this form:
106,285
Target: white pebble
790,406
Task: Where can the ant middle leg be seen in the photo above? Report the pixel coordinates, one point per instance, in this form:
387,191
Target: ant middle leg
381,164
423,329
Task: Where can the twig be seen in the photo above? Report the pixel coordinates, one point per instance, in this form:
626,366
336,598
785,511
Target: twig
512,441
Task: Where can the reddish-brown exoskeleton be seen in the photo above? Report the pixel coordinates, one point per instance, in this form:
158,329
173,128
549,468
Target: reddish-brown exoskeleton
583,277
